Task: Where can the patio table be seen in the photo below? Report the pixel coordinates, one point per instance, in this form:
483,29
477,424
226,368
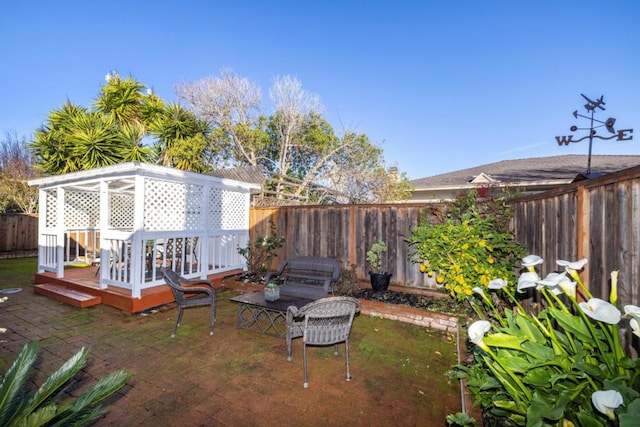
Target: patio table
266,317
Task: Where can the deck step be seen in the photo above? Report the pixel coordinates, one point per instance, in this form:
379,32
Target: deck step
67,295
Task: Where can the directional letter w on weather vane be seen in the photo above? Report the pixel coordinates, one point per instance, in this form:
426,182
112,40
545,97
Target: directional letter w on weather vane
592,106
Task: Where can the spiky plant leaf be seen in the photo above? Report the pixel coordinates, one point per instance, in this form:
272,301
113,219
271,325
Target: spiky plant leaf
56,380
104,388
14,381
41,416
79,419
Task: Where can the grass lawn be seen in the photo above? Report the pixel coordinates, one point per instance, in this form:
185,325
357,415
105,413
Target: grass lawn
17,272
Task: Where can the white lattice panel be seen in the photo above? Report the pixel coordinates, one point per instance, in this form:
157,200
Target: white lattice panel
215,208
121,211
172,206
235,215
82,209
52,208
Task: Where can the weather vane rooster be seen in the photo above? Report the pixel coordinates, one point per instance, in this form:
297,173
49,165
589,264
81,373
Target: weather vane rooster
593,106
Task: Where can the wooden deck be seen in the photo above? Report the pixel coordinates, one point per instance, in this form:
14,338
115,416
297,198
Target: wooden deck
80,287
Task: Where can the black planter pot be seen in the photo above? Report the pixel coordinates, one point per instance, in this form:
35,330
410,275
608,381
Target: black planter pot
379,281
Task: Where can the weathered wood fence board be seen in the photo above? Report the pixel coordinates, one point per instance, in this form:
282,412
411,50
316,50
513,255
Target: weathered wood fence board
18,233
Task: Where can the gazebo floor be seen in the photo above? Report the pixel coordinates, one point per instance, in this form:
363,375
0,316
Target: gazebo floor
79,284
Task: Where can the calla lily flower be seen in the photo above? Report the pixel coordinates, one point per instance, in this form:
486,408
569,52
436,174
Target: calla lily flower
572,265
478,290
531,261
552,279
606,402
497,284
568,286
557,283
613,296
476,332
632,310
601,310
527,280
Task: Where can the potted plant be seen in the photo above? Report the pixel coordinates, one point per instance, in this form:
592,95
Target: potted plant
379,279
271,292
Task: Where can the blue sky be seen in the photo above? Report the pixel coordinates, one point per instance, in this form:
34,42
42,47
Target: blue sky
439,85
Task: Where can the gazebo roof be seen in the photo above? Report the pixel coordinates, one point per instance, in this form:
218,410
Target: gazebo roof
88,180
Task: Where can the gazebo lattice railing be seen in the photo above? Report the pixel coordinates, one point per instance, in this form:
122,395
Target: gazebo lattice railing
134,218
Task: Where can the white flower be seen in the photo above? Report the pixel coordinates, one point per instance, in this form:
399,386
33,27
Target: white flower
478,290
601,310
497,284
568,286
531,261
632,310
559,283
477,330
552,279
573,265
527,280
606,402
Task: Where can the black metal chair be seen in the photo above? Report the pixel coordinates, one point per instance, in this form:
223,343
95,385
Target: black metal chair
326,321
190,295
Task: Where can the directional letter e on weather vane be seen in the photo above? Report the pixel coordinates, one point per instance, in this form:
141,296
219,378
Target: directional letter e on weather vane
591,107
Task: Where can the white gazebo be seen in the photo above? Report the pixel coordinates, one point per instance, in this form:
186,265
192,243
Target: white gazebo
132,219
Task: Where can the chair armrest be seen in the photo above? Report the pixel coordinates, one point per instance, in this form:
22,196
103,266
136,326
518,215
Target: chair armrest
198,289
269,276
191,282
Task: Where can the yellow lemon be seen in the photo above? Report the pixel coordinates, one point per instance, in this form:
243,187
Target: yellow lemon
440,279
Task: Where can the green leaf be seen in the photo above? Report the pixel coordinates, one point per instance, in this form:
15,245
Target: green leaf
504,341
13,382
571,323
538,377
530,329
544,407
631,416
58,379
588,420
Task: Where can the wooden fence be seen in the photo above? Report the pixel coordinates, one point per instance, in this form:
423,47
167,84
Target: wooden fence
345,232
18,234
597,219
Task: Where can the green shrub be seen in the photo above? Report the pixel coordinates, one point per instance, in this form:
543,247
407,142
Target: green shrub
468,247
260,253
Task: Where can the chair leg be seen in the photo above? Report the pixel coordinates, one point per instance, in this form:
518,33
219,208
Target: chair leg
178,320
346,352
289,339
335,350
304,363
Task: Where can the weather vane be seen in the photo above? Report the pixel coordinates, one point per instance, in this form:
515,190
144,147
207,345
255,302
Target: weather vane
591,106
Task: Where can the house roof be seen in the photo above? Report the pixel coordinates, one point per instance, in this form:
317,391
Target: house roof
252,174
536,169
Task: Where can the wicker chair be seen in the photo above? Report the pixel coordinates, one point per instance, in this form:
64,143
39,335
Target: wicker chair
326,321
190,295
